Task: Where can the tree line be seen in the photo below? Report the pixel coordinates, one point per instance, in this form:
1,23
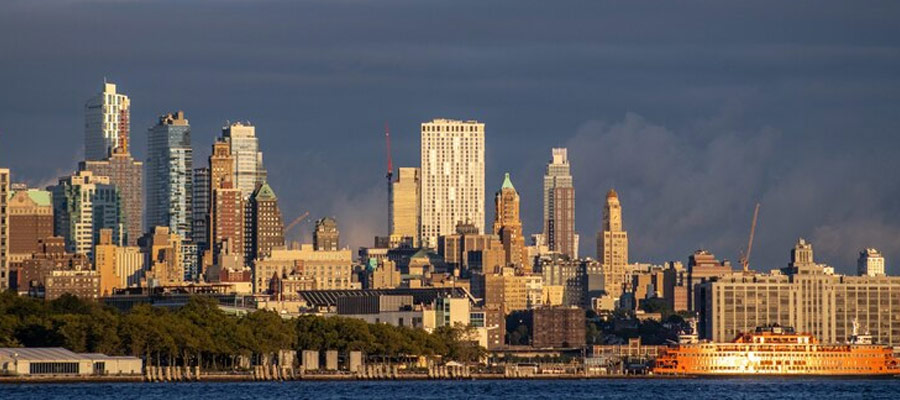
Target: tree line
201,334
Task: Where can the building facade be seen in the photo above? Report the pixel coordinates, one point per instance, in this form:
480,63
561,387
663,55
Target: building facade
4,228
83,204
452,179
170,175
326,237
227,221
804,295
266,230
248,160
405,205
870,263
703,266
559,206
30,219
508,225
200,200
163,261
126,174
612,245
107,116
558,327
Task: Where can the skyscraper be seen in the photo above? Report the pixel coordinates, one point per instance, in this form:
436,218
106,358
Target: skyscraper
107,137
227,220
221,176
266,228
170,175
326,237
405,205
4,229
83,204
248,160
126,174
107,117
452,179
612,245
559,206
508,225
200,208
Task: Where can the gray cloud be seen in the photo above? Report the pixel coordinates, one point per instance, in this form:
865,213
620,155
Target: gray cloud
708,106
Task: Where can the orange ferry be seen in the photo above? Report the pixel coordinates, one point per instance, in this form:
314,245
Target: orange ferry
776,350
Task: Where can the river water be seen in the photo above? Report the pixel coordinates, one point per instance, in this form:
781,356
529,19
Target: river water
630,389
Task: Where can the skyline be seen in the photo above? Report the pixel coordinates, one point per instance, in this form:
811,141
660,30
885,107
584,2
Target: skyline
749,133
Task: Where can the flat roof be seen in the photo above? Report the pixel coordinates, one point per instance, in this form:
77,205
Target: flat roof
328,298
54,354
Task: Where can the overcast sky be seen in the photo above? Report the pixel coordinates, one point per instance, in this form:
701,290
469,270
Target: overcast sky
693,111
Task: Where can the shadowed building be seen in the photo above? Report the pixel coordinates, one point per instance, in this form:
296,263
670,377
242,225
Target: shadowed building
558,327
266,227
326,236
200,208
4,229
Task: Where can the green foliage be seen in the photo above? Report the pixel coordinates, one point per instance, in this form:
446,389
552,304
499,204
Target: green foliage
200,333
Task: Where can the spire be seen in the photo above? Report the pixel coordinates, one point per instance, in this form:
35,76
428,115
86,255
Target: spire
265,192
507,184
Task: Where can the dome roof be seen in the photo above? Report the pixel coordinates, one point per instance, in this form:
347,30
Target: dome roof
612,194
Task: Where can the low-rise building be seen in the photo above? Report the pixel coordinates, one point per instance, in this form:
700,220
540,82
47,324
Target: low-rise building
57,361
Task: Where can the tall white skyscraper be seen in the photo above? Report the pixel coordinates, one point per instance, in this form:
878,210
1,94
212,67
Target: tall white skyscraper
169,178
107,117
452,179
559,205
248,160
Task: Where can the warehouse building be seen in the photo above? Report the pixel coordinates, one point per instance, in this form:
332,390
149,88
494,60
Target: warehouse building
57,361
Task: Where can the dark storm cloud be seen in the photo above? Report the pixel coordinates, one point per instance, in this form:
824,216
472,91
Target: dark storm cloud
692,110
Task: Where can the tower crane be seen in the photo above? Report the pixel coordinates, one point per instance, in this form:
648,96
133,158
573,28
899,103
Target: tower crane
295,222
389,175
745,258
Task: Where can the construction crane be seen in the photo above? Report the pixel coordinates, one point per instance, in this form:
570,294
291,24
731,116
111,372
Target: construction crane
295,222
389,175
745,258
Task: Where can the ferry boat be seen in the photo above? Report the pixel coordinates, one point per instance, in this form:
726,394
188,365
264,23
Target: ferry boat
776,350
